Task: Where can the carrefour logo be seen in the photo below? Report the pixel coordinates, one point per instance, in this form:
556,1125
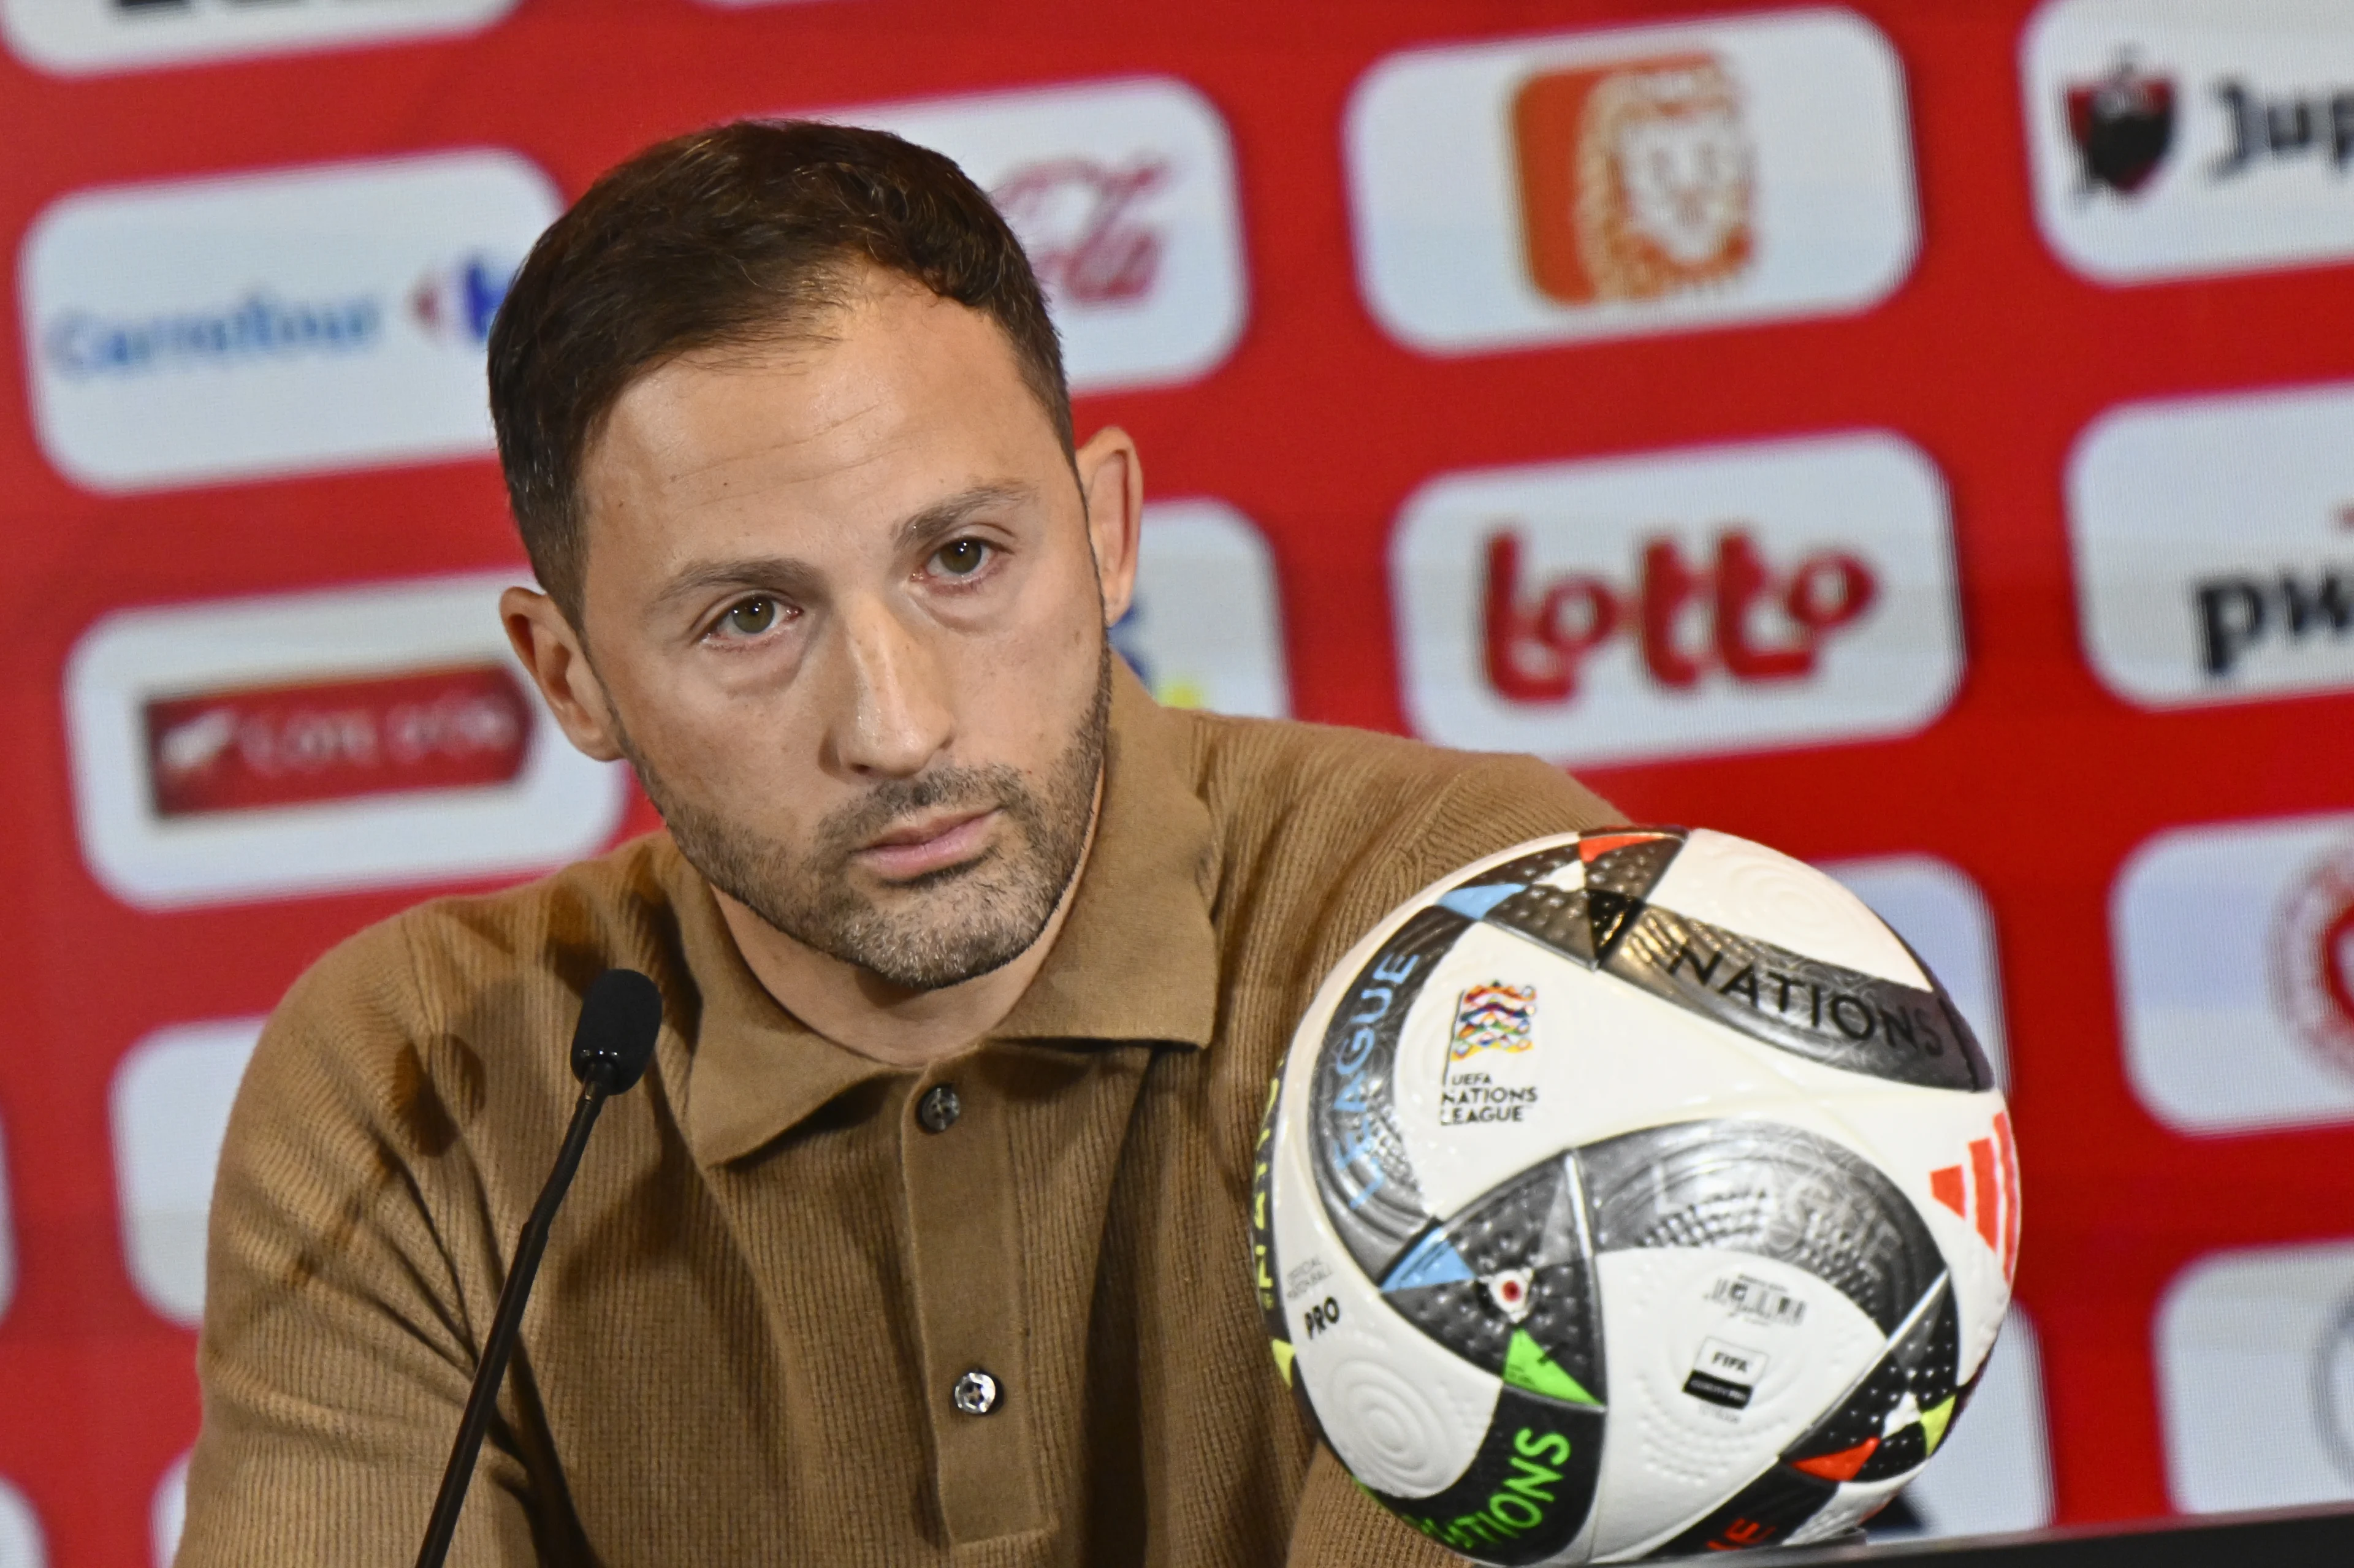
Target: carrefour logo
272,324
261,326
455,304
1721,600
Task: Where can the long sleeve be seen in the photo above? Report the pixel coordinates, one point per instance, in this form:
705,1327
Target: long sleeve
339,1338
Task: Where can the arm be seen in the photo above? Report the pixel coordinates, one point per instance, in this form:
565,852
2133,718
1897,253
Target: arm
349,1277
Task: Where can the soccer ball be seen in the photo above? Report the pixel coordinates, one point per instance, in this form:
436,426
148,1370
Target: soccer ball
1630,1193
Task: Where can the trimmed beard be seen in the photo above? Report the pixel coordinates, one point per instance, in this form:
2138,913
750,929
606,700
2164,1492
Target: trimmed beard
955,924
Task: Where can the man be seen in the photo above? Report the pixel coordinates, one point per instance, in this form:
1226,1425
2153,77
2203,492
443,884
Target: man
924,1239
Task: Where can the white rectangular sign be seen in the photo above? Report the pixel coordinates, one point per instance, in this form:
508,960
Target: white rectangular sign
1634,180
2187,138
76,38
290,322
1123,194
1205,629
2214,546
2255,1378
380,734
169,1108
1682,603
2234,951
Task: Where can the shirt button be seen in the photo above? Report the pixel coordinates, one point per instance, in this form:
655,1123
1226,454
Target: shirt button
975,1392
938,1112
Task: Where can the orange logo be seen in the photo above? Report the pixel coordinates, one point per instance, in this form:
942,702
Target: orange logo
1636,179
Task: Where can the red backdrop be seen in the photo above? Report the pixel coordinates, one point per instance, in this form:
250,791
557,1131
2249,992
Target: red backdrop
1991,354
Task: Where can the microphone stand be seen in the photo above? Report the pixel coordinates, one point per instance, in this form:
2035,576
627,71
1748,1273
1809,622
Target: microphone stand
616,1035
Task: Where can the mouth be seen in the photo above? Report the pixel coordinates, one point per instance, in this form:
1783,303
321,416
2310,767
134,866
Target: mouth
922,845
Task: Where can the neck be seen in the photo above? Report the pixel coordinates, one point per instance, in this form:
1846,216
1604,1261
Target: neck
861,1012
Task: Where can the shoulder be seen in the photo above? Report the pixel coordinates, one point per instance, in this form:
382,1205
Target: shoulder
407,1024
1320,831
1321,798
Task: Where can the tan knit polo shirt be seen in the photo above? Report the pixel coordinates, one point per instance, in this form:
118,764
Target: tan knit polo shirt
771,1274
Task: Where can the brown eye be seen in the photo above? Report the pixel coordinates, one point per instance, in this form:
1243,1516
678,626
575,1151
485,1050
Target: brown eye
751,618
962,558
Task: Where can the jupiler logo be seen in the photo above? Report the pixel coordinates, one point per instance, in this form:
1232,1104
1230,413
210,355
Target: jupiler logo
1733,611
2313,958
2122,125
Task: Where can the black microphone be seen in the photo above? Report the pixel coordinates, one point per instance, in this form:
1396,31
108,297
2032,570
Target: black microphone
610,1046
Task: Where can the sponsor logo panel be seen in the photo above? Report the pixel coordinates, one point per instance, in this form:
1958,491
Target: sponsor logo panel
1635,180
2193,138
1123,194
169,1109
1681,604
2255,1353
2214,547
2234,948
312,743
1943,917
20,1531
1205,630
75,37
273,324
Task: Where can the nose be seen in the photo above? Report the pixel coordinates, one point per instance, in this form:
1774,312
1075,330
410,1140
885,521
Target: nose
891,714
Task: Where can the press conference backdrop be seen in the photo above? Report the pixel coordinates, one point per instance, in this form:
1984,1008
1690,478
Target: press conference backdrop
1918,436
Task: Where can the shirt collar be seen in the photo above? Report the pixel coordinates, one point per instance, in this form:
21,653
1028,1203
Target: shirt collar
1135,961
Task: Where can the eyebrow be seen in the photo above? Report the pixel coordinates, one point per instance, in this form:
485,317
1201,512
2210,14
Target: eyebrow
796,577
946,516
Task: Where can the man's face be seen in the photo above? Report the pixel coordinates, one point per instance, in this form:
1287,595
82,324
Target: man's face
846,619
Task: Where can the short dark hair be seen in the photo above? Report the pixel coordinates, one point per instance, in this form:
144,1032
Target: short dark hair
734,236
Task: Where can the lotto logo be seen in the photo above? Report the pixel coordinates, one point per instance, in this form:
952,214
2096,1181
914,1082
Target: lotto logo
2187,139
2214,547
316,741
2234,949
1123,194
273,324
2256,1362
1721,600
1635,180
78,37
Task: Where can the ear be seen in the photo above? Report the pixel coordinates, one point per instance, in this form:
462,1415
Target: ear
1111,482
558,662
